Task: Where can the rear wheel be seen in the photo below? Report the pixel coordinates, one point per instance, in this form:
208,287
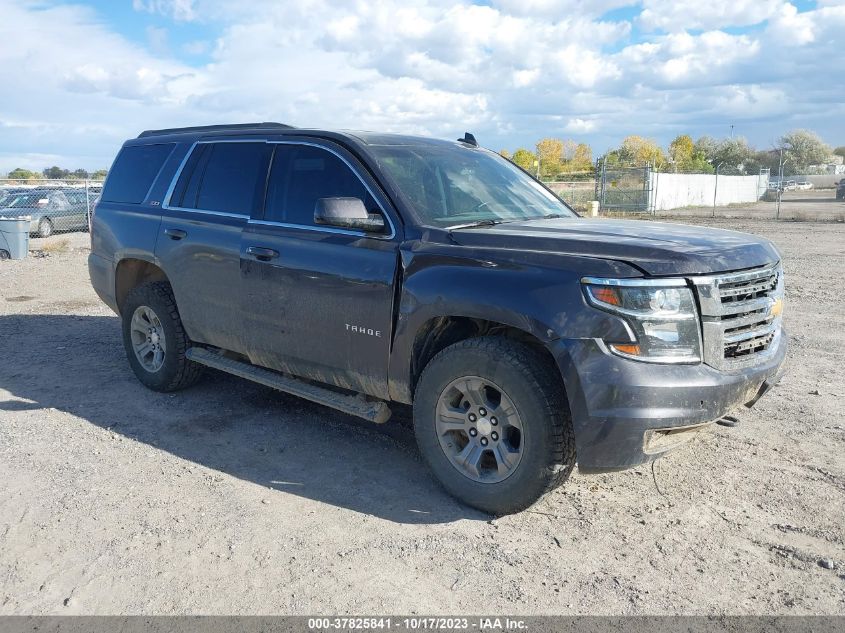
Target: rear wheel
492,421
4,254
45,227
155,341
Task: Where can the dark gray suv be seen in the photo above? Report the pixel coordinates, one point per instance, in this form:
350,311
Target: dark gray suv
359,270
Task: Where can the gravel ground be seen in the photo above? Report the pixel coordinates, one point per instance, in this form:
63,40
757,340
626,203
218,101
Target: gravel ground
232,498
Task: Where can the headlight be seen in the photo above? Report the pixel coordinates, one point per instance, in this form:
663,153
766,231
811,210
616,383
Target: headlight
661,314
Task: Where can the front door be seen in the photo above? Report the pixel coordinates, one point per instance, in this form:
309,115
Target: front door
318,301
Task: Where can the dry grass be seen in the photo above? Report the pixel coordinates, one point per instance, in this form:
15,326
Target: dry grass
56,246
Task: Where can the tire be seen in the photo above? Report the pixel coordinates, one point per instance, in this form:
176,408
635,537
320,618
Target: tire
529,385
172,370
45,227
4,254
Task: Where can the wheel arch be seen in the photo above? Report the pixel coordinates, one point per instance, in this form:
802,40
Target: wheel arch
439,332
132,272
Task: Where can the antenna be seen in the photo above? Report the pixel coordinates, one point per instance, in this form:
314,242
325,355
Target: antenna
469,139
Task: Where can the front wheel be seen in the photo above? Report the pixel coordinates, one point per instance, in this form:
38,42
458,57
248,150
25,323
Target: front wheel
492,421
45,227
155,340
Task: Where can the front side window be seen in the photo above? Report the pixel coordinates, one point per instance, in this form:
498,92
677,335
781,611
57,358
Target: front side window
302,174
451,185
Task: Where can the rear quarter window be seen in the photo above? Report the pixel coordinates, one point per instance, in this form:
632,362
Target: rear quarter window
134,172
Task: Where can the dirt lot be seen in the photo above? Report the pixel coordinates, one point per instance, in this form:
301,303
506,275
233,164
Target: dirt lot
231,498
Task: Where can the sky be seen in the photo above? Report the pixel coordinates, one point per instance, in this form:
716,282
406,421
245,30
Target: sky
78,78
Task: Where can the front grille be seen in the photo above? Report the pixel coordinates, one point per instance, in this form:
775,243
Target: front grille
741,315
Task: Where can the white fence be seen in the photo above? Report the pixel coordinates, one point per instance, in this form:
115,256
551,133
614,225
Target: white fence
675,191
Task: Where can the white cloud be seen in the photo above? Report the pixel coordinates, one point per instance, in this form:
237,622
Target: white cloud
580,126
511,72
679,15
177,9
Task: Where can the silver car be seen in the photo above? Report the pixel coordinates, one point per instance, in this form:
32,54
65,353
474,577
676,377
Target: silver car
49,209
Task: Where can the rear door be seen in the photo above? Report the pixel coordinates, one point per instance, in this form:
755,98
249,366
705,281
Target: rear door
317,301
198,245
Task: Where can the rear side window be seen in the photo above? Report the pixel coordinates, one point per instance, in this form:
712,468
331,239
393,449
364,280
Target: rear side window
223,177
301,175
134,171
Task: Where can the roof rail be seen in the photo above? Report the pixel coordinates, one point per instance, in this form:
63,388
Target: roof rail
215,128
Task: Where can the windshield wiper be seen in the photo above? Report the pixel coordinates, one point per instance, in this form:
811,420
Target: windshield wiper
470,225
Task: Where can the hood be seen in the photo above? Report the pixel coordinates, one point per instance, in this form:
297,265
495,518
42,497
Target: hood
657,248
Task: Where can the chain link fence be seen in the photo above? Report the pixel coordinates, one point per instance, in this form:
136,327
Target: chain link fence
53,206
576,193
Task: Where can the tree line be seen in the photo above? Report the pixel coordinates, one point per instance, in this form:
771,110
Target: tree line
57,173
554,158
800,151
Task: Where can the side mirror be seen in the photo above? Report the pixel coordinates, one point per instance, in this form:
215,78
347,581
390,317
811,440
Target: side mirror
347,213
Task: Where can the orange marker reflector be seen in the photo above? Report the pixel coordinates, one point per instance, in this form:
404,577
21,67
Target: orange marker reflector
606,295
627,348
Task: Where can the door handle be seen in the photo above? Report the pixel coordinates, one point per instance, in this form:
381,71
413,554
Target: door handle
262,254
175,234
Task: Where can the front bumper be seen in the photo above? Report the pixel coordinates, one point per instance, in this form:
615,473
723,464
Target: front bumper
618,404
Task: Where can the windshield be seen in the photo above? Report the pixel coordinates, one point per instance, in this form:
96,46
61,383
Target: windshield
24,200
450,186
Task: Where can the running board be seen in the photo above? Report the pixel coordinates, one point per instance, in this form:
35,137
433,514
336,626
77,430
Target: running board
374,411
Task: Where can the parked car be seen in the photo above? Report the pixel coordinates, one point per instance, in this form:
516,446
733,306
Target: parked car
49,209
6,192
803,185
357,270
840,190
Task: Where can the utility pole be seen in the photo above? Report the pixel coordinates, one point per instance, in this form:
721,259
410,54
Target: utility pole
780,183
716,187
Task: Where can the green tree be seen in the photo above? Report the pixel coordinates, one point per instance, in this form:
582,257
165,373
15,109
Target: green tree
56,172
733,153
763,159
525,159
840,151
707,147
23,174
82,174
805,148
100,174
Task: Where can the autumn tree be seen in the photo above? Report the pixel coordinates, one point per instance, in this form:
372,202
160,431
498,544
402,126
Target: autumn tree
582,158
525,159
636,151
550,154
681,150
505,153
